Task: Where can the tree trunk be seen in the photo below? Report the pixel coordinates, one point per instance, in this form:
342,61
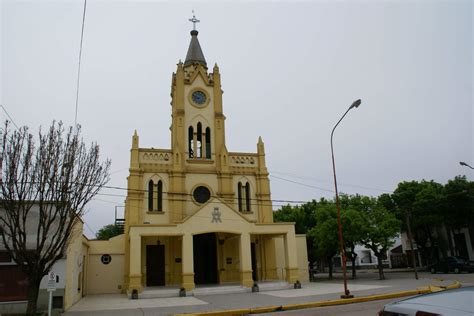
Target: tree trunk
380,267
353,260
450,241
330,268
32,294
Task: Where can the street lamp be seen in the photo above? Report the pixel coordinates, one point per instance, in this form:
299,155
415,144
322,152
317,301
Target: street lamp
347,294
462,163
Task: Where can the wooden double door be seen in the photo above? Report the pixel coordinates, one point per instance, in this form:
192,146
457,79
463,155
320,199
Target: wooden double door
155,265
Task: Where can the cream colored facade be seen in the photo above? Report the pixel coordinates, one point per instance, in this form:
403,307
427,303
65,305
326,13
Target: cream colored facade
196,213
203,213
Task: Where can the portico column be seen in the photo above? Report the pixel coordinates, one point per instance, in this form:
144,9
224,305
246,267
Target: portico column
187,263
291,264
245,260
135,263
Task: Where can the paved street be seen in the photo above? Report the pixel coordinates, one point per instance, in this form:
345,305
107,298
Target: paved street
322,289
358,309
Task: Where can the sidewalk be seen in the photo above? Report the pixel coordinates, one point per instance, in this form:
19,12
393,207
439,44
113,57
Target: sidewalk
316,291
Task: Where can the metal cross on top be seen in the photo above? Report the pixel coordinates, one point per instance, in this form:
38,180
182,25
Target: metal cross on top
194,20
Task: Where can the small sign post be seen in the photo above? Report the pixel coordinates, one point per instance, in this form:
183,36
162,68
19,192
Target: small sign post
51,289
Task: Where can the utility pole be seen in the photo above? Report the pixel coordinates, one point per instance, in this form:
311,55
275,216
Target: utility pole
407,213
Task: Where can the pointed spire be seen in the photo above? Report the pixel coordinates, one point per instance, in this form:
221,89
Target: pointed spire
194,54
260,146
135,140
134,163
261,155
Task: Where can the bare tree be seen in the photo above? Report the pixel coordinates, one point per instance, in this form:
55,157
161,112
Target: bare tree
44,188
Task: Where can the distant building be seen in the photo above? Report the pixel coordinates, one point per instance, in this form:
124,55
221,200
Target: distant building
460,243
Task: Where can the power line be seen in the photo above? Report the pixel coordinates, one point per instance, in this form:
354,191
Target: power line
315,179
185,199
193,213
79,63
166,192
11,120
303,184
117,171
88,227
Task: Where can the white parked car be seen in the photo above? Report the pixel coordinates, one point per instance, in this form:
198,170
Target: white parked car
456,302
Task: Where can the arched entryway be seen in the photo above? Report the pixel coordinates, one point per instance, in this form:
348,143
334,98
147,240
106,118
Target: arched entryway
205,258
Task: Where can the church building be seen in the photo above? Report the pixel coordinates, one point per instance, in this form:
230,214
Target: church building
198,213
195,214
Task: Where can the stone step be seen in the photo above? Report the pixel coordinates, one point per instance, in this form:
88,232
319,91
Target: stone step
159,293
162,292
223,289
274,286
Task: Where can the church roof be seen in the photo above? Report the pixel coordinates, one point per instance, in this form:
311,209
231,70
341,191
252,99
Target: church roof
195,54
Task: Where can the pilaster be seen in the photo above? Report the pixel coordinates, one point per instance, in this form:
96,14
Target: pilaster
187,262
135,191
265,213
291,256
178,130
245,260
135,276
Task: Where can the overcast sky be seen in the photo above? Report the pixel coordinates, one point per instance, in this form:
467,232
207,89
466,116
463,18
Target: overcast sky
289,71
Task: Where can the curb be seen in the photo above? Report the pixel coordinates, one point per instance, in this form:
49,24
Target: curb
269,309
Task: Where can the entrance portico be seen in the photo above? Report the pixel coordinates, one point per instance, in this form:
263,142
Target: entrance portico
228,258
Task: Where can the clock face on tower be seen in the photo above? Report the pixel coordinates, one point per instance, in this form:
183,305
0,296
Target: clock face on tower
199,97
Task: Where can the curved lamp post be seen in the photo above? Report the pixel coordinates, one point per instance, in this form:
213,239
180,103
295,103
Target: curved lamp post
462,163
347,294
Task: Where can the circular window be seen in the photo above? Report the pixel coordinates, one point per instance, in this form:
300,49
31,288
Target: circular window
201,194
106,259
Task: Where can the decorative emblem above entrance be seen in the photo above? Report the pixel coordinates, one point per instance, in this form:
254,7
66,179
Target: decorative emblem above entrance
216,215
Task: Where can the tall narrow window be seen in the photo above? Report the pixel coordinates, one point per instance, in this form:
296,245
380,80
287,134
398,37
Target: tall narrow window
239,196
159,198
208,143
199,140
247,196
190,141
150,195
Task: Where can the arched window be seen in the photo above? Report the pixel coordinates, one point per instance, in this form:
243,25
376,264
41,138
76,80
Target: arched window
199,140
208,143
159,198
247,196
239,196
150,195
190,141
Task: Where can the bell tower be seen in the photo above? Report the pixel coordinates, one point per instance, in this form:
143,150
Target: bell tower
197,118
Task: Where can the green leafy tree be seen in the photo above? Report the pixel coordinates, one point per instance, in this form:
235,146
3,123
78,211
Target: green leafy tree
459,205
325,234
353,224
421,205
381,228
109,231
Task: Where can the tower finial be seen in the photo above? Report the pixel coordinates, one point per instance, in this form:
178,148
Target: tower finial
194,20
